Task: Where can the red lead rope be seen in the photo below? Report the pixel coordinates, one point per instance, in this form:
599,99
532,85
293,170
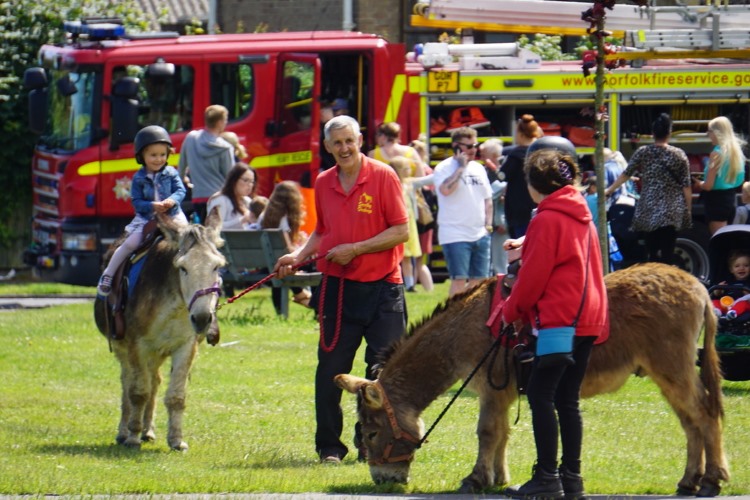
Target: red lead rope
339,309
321,302
261,282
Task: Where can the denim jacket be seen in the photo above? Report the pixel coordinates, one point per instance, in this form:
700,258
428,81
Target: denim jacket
143,194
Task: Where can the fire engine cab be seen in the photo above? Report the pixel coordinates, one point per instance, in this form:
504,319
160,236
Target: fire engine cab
90,96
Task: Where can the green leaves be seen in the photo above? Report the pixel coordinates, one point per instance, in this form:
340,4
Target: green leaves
26,25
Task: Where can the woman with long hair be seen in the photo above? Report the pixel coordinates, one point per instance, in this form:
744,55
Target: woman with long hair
286,211
234,198
724,173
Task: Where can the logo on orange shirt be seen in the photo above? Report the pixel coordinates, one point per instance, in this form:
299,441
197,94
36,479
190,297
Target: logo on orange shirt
365,203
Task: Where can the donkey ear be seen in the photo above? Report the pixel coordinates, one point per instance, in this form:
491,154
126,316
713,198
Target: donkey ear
372,397
350,383
213,219
213,225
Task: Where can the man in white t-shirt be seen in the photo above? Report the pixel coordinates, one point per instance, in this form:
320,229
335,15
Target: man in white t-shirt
464,212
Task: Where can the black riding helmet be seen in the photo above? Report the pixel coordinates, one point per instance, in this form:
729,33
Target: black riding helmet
553,142
149,135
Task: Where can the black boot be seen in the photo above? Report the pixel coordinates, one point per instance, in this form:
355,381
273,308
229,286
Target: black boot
572,484
543,485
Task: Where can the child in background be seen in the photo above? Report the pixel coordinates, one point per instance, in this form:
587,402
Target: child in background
742,212
733,301
156,188
412,248
257,205
422,274
240,153
589,192
286,211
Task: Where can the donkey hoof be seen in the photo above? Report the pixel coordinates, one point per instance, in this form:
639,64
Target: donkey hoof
132,444
468,487
121,439
148,437
684,491
708,490
181,446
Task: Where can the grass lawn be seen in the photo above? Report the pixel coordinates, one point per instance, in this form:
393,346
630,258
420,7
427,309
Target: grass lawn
250,422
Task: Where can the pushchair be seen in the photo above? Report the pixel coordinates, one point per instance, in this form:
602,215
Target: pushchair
733,336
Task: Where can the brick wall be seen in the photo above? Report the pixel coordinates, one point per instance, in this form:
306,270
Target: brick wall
381,17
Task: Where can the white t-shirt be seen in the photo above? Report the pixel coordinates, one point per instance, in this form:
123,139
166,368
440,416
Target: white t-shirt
461,215
230,219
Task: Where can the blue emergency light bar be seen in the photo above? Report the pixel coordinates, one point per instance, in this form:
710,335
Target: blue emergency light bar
96,31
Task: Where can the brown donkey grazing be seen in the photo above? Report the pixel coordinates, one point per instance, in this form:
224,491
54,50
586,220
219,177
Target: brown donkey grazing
172,307
657,313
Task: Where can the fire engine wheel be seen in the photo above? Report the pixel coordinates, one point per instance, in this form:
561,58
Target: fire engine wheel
691,256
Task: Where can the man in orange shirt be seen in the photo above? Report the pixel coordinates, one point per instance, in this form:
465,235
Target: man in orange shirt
361,224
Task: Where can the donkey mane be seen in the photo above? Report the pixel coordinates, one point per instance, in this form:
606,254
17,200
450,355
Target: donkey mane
422,325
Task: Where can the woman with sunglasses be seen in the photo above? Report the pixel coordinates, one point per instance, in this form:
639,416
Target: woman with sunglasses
464,212
518,202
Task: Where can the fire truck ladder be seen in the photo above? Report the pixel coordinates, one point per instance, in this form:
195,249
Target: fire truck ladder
646,28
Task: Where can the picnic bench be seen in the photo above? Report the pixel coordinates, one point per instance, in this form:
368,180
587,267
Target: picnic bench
251,256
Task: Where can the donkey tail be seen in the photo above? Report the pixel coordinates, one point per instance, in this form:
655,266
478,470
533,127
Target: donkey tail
710,370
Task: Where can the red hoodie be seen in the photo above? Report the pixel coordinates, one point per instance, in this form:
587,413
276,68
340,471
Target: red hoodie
550,283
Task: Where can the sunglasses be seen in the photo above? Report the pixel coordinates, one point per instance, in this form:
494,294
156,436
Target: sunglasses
469,146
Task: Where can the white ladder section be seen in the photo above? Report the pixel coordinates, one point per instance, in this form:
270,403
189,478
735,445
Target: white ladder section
479,56
623,17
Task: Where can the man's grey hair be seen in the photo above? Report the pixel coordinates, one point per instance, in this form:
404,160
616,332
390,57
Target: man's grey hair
492,148
339,122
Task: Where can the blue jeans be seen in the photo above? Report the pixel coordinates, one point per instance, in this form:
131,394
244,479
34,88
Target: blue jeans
468,259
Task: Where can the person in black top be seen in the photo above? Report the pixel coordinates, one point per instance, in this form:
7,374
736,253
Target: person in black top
518,202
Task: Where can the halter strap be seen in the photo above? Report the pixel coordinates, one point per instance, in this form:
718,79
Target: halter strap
204,291
398,433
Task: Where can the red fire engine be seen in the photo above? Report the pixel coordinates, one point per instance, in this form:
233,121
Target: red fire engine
92,94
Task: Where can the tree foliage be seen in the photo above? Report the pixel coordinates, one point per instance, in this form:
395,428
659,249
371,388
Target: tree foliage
25,25
548,47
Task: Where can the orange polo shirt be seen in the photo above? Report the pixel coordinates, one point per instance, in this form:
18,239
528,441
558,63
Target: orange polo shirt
374,204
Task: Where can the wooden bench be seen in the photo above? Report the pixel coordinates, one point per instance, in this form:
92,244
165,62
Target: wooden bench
251,256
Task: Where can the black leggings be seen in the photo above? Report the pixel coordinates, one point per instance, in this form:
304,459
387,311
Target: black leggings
660,244
558,388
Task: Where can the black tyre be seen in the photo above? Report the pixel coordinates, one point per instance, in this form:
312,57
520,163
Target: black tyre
691,252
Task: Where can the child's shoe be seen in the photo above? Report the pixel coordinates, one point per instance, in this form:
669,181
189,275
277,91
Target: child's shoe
105,285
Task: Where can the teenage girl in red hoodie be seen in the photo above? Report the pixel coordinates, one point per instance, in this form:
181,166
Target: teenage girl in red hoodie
560,284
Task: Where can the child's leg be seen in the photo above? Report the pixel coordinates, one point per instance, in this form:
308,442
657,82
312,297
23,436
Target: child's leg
407,273
118,257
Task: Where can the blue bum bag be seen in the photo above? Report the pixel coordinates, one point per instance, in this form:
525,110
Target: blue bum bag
555,340
554,346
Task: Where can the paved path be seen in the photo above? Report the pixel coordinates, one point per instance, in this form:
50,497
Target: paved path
23,302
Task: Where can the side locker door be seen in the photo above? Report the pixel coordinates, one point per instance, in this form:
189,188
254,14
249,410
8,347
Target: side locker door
295,148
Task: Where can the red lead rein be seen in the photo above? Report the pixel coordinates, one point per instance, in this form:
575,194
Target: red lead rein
264,280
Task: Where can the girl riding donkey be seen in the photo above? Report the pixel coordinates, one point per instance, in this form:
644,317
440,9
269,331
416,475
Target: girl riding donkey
156,188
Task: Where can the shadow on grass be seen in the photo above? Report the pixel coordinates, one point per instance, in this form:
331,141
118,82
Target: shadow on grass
112,450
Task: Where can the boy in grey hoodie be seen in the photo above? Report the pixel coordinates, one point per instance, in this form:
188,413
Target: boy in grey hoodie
206,158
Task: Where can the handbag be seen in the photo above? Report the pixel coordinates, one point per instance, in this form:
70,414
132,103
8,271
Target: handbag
424,213
554,346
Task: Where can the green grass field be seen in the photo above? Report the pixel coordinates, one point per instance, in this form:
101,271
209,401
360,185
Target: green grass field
250,421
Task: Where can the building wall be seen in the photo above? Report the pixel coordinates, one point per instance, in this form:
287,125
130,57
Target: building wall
381,17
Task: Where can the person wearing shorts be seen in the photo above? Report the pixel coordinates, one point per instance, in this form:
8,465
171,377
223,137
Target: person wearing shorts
464,212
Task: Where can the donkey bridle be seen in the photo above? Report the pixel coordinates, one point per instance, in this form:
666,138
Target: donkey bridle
215,288
398,433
